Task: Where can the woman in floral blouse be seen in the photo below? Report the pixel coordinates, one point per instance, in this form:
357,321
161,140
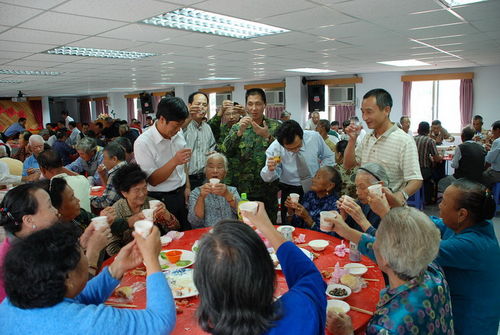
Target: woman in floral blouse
130,182
322,197
417,300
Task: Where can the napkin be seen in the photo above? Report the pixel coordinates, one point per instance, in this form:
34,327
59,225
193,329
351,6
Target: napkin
174,235
300,239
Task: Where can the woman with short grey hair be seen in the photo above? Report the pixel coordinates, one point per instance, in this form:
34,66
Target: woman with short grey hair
213,201
417,300
90,158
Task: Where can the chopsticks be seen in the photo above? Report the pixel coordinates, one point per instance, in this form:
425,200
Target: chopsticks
353,267
361,310
370,279
120,305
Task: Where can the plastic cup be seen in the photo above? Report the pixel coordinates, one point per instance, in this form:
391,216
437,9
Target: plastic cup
375,189
173,256
153,204
323,224
214,181
100,222
249,206
286,232
143,227
294,197
148,214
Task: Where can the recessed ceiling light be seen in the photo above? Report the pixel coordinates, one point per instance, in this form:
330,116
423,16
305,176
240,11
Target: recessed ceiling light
30,72
100,53
310,70
453,3
404,62
212,23
168,83
218,78
8,81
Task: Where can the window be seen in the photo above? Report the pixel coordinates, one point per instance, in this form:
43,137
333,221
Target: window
436,100
136,101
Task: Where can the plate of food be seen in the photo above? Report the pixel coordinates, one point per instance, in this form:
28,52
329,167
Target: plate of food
337,306
276,262
173,259
338,291
181,283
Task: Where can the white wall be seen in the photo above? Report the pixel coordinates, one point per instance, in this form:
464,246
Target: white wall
486,93
117,103
45,111
296,99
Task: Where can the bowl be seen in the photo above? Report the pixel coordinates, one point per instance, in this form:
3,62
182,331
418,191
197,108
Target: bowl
173,256
338,306
338,287
356,269
318,245
285,226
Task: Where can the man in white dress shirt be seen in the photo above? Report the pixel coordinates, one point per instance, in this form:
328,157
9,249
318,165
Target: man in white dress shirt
294,147
199,137
67,119
162,153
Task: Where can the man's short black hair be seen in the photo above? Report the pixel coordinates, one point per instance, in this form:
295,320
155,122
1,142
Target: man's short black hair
192,95
115,150
467,134
286,132
383,97
21,119
72,124
423,128
495,125
49,159
149,117
172,109
334,123
478,117
256,91
85,124
61,133
325,124
436,123
64,113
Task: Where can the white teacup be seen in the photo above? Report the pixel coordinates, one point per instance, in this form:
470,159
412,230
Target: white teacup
294,197
214,181
100,222
143,227
375,189
154,203
249,206
148,214
323,224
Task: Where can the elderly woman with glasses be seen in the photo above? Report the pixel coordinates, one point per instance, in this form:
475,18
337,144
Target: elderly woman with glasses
417,300
210,203
130,182
48,291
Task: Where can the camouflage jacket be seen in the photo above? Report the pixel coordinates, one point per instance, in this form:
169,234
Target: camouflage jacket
220,130
247,156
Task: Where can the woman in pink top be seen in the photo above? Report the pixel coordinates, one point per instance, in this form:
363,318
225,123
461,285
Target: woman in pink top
24,210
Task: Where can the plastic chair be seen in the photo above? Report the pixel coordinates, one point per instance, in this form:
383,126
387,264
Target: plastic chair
496,194
417,200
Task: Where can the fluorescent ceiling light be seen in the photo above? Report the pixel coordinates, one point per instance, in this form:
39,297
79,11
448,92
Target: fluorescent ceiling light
101,53
437,26
168,83
218,78
30,72
212,23
404,62
310,70
8,81
453,3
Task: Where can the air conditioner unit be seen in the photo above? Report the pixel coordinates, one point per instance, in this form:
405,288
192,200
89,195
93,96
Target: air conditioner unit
220,97
275,97
341,95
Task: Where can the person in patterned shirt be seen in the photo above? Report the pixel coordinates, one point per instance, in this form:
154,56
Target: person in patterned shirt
417,300
245,147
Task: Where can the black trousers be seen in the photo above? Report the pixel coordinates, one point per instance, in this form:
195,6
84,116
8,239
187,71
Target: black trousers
175,202
285,192
196,180
429,185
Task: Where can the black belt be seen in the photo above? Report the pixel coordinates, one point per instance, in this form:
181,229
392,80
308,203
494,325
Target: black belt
284,187
177,190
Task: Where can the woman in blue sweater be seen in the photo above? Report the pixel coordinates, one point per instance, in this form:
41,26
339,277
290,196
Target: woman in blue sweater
48,293
236,279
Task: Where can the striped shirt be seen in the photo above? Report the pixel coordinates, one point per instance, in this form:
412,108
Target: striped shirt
426,147
396,152
201,141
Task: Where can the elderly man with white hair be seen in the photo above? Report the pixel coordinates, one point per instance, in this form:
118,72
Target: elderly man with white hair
90,159
417,300
30,165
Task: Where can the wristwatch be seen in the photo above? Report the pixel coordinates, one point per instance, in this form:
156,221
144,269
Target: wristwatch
405,197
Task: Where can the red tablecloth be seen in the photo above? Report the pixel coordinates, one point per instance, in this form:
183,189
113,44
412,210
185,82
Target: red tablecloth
366,299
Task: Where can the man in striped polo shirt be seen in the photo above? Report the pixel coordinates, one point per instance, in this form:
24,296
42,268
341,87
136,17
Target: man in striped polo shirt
387,145
199,137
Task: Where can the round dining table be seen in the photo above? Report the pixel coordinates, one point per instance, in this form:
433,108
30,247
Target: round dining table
324,260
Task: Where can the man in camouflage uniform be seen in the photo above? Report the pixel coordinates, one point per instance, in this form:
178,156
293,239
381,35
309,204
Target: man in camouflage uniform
231,113
245,147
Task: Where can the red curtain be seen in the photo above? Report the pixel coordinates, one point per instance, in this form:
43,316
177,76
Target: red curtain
343,112
85,111
466,100
36,109
130,109
156,101
101,107
274,111
407,98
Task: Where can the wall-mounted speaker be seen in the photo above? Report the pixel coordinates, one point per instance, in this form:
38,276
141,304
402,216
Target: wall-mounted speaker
316,98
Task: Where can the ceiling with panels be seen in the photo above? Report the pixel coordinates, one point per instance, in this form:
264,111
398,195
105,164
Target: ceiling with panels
348,36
